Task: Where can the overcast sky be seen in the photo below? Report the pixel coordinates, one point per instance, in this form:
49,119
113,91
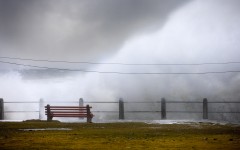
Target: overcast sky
79,30
126,31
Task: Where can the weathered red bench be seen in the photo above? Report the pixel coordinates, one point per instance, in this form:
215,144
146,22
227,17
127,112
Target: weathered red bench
68,111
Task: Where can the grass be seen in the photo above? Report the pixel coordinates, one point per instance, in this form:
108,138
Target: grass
119,136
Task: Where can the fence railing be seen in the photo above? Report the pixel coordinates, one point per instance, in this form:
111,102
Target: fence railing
122,112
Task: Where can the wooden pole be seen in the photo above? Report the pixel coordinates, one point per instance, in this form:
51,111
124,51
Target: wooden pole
163,108
205,108
121,109
1,109
41,109
81,103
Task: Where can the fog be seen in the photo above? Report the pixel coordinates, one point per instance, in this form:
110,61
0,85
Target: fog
126,32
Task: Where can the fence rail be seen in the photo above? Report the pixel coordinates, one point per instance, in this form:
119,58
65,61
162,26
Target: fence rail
15,102
163,111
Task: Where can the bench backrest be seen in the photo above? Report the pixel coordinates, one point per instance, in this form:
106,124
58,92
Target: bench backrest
68,111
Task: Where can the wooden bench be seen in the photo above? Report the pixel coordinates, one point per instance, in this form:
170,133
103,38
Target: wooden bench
68,111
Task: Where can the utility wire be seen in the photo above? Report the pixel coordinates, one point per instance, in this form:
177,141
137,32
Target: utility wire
127,73
127,64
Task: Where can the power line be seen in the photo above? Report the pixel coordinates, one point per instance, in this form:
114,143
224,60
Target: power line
127,64
126,73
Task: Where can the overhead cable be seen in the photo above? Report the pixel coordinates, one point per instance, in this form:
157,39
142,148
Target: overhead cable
127,73
127,64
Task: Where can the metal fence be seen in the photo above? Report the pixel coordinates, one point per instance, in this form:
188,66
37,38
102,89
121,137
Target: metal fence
122,109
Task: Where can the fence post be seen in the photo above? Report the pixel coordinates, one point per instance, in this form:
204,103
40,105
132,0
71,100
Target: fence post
121,109
163,108
1,109
205,108
41,109
81,105
81,102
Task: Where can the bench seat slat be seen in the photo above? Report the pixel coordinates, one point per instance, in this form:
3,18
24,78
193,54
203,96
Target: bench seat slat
80,109
67,107
66,112
68,115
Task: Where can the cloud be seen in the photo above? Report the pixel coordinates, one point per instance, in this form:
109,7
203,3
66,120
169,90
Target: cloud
77,30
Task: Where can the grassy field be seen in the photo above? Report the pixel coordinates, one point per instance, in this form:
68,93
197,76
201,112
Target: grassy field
118,136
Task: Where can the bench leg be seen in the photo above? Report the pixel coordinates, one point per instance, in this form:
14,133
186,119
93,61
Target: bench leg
89,119
49,118
49,114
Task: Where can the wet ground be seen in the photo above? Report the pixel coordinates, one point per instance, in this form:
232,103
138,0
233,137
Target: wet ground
119,135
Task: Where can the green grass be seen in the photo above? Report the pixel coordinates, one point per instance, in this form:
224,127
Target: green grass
119,136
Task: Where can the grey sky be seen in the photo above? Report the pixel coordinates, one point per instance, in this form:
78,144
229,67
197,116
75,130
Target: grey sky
77,29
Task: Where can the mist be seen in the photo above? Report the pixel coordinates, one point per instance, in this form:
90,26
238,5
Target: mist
155,32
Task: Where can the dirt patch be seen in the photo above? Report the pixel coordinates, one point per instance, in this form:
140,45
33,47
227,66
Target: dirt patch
47,129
